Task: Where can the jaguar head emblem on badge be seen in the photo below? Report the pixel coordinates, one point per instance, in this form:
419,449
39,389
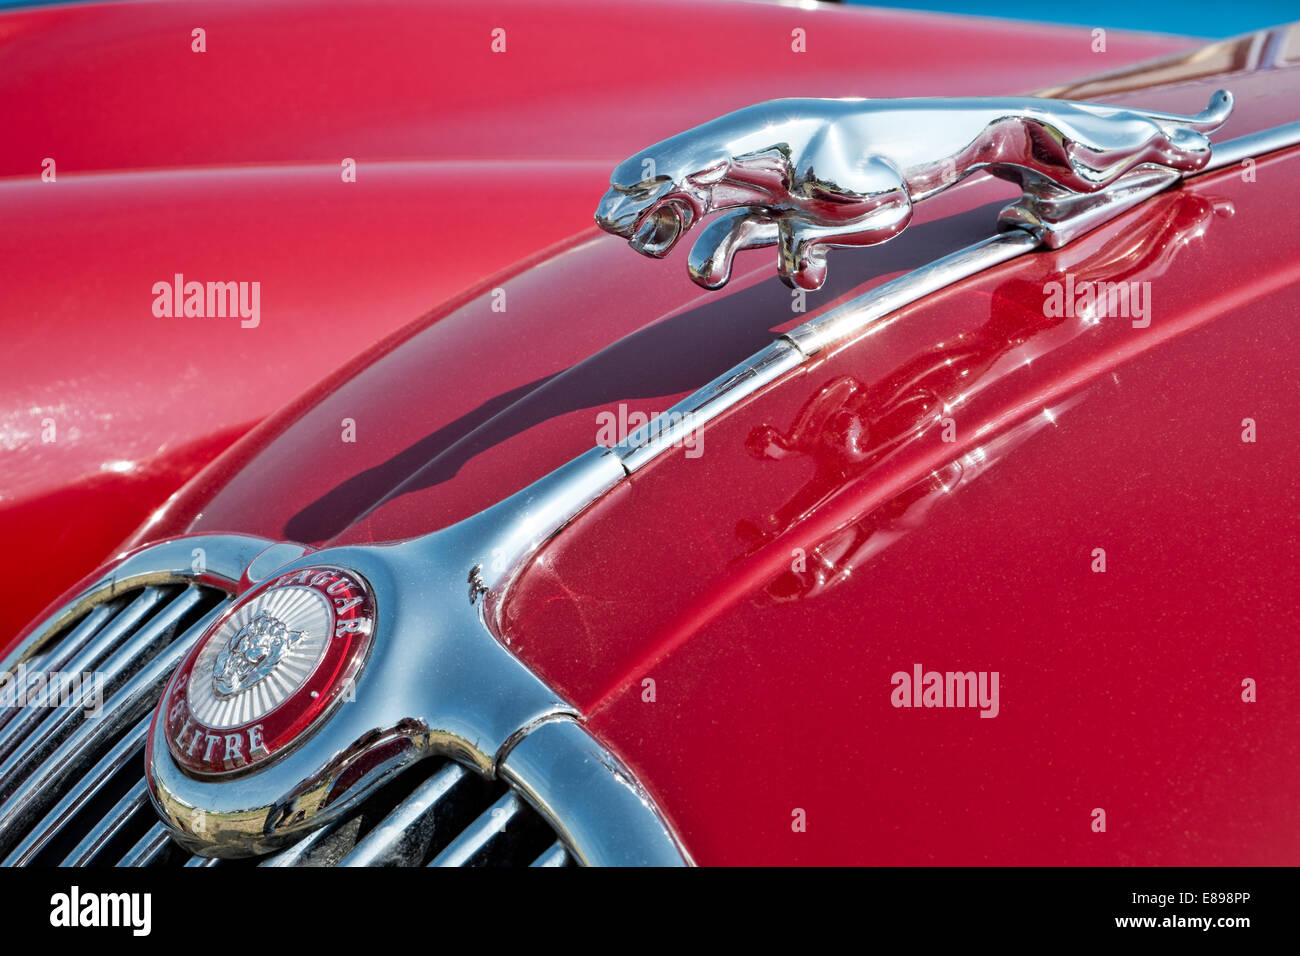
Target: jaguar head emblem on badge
252,653
810,175
268,670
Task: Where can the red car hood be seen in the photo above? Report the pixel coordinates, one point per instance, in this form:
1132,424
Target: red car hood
226,165
730,621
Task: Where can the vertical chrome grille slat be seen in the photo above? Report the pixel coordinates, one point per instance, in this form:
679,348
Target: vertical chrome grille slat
56,655
96,650
130,747
76,639
108,827
132,701
404,834
148,848
61,720
480,833
100,644
202,861
554,855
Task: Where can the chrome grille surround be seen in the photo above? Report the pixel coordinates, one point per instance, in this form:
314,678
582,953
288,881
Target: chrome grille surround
72,789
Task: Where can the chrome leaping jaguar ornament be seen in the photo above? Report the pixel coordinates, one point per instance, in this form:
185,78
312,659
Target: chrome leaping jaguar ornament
810,175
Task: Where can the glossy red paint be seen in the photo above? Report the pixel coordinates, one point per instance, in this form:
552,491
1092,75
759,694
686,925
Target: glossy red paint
139,403
772,678
316,80
773,630
226,166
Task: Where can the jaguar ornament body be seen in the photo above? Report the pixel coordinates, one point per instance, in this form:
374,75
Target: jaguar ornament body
811,175
487,542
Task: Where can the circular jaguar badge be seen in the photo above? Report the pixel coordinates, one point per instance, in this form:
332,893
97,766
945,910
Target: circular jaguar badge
268,669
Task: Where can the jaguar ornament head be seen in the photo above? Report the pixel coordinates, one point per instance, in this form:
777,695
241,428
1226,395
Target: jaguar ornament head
652,209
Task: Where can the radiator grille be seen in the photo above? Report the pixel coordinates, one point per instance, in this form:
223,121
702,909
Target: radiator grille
72,787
